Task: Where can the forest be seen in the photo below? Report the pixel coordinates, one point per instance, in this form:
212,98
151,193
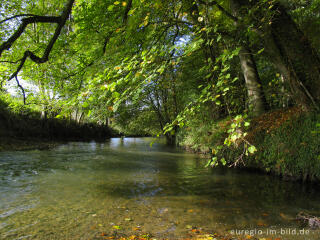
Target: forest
237,81
196,72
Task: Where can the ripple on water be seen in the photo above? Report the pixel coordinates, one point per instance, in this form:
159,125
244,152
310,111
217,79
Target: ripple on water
79,190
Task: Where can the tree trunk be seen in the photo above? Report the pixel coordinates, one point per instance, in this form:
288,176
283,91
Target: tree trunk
256,98
292,54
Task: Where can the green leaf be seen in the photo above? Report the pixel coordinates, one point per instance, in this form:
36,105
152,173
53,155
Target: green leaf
252,149
115,95
85,105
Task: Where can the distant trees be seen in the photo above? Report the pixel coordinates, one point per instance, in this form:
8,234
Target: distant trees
172,57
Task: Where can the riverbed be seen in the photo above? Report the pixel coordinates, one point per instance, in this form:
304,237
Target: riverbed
123,186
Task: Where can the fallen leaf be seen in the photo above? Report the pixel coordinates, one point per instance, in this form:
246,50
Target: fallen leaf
195,230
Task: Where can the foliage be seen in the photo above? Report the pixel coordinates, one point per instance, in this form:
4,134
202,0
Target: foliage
15,106
26,121
188,70
202,133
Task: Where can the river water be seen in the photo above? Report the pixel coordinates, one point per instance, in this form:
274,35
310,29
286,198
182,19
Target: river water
124,186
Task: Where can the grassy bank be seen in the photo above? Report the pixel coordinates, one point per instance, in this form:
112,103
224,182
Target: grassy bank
287,143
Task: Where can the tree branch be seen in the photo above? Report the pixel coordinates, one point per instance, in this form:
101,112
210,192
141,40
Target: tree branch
222,9
69,75
25,22
126,12
61,20
124,23
18,16
22,90
106,41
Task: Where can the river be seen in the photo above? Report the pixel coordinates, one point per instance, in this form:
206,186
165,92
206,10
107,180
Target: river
124,186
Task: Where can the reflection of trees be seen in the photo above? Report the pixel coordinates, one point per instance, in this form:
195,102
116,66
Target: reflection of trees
160,173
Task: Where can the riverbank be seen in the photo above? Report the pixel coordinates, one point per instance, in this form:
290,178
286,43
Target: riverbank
287,143
25,144
26,127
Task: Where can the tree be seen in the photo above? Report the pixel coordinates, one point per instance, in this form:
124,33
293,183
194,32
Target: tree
103,57
28,19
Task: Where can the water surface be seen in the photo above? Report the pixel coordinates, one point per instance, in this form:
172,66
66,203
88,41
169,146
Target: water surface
79,190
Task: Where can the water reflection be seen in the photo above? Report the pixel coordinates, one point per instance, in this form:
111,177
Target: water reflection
80,189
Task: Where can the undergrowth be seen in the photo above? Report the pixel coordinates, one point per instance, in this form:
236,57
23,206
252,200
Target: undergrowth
287,142
292,149
24,121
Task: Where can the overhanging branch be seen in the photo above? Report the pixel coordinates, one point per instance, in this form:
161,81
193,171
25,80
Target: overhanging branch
124,23
18,16
60,20
25,22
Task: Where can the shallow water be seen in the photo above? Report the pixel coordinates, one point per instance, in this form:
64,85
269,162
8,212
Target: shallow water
79,190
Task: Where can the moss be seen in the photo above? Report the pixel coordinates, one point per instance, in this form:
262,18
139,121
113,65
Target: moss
287,141
292,149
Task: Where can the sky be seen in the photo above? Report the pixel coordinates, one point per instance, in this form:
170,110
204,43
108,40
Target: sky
13,89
